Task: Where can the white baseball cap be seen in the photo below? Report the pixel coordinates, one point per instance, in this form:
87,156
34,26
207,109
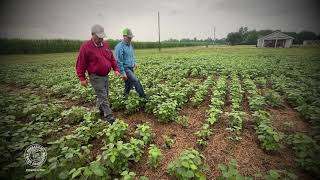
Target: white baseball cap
98,30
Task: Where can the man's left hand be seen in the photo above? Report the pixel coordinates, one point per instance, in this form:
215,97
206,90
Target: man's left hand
116,73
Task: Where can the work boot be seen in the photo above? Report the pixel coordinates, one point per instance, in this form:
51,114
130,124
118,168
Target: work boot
110,119
101,112
125,96
145,98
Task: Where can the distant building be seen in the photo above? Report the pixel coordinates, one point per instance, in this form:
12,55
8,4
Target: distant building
276,39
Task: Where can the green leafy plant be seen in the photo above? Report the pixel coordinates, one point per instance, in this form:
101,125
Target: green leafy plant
167,111
256,102
273,98
143,178
201,92
133,104
94,170
189,165
269,138
213,115
231,172
115,132
155,156
261,82
144,132
306,152
279,175
183,120
75,114
203,134
235,121
168,141
127,175
116,157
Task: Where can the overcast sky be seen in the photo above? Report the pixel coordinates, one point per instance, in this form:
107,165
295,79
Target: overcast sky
72,19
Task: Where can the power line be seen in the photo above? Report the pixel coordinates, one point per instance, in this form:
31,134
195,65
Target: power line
159,30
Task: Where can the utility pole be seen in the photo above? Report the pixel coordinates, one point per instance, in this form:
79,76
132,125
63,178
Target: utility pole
214,35
159,30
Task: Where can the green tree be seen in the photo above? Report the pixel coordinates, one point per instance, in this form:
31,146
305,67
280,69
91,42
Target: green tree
306,35
234,38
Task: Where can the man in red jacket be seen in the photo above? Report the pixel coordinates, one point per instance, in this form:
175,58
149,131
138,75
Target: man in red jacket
96,57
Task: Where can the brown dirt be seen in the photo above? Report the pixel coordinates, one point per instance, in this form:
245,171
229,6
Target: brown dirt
96,148
288,120
198,79
196,115
218,143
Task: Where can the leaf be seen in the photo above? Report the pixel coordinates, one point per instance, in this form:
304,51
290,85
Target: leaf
202,177
274,174
69,155
87,172
76,173
185,164
96,168
31,175
193,167
189,174
64,174
222,167
112,159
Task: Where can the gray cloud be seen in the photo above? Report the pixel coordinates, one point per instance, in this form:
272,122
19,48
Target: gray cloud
72,19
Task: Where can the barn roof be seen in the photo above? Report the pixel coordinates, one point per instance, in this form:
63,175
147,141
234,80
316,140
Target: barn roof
276,35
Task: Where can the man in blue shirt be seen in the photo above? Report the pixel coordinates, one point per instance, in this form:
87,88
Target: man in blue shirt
127,64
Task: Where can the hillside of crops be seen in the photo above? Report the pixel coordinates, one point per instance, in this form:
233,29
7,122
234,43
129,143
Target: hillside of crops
220,112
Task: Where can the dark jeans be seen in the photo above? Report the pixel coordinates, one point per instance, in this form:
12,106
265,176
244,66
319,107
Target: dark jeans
131,82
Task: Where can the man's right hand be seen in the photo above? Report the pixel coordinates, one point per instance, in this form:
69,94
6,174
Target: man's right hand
124,77
84,83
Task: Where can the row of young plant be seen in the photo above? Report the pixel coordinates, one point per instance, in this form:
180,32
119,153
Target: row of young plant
71,150
267,135
202,92
165,102
71,155
161,80
191,165
214,112
272,97
36,124
230,171
303,94
25,119
167,98
236,114
305,147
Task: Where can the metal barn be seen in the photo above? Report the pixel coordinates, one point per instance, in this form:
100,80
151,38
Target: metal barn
276,39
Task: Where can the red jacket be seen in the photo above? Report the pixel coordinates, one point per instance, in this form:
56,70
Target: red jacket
95,59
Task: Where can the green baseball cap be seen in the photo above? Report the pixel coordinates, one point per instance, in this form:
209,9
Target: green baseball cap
127,32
